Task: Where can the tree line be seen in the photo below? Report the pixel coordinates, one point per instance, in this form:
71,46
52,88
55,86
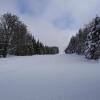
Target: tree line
86,41
16,40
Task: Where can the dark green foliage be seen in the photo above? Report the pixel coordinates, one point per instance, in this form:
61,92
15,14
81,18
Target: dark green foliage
51,50
16,40
93,40
87,41
72,46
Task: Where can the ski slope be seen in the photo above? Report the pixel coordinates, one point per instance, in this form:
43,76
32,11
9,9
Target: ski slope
51,77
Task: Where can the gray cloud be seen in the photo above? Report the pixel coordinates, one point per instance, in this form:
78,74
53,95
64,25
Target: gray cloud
37,7
53,21
64,22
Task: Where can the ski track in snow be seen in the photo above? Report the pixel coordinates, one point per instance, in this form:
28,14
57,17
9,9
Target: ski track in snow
49,77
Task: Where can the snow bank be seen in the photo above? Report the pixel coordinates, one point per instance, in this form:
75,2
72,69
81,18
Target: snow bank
57,77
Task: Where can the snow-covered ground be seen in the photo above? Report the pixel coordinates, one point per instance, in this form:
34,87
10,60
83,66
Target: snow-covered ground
52,77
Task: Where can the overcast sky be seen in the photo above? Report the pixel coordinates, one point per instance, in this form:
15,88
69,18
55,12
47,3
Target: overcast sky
53,21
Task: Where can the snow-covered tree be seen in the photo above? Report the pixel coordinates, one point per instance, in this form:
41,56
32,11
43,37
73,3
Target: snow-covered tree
87,41
93,40
16,40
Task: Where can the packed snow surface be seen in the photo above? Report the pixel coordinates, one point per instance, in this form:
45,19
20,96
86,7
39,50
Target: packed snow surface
51,77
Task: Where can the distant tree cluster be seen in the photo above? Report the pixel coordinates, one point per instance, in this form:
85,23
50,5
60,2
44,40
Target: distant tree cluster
16,40
87,41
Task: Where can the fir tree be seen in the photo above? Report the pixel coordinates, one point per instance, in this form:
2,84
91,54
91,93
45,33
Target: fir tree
93,40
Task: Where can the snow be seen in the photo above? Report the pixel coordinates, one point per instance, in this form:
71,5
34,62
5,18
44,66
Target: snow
98,27
51,77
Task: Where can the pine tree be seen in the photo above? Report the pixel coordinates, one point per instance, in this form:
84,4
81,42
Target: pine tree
16,40
72,45
93,40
